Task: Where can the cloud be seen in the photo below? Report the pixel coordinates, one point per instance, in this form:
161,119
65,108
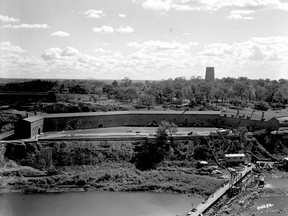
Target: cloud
60,34
241,14
126,29
4,18
26,26
94,14
153,59
104,29
156,46
11,58
158,5
122,15
212,5
68,53
110,30
102,51
255,49
7,50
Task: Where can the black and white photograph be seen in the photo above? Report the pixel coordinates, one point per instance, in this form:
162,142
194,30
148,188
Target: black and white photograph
143,107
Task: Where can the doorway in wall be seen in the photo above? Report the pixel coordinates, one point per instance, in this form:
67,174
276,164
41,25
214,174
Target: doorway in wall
100,123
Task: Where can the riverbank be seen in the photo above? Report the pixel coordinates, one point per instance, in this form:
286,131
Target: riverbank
109,177
52,166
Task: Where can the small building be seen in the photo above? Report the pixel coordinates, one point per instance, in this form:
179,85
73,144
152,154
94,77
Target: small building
234,159
201,164
29,127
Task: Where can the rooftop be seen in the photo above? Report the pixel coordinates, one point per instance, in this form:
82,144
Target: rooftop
82,114
235,155
33,118
282,119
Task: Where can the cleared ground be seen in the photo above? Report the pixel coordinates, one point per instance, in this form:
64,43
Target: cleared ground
123,132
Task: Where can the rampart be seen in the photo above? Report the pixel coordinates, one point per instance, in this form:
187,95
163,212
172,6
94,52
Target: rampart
73,121
32,126
251,124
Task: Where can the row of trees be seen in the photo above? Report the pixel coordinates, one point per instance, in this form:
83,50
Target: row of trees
168,91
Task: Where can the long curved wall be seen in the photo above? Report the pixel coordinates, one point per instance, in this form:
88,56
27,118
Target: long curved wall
56,122
71,121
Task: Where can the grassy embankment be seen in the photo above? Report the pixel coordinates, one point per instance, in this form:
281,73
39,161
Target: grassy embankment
111,166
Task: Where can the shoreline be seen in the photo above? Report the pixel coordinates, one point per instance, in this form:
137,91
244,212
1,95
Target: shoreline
113,177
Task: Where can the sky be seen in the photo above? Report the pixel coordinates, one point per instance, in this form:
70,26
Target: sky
143,39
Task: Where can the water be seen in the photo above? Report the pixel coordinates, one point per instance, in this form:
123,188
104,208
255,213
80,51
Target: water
278,203
270,206
96,204
278,182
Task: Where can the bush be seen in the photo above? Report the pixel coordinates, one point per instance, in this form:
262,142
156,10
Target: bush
261,106
238,103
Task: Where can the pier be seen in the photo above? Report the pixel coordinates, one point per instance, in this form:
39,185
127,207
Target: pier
204,206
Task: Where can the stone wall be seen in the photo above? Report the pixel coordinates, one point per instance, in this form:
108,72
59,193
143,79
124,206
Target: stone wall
132,119
272,124
72,121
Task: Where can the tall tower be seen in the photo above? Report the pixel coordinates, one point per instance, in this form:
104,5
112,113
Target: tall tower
210,75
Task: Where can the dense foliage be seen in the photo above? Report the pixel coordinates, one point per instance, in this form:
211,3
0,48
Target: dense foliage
195,91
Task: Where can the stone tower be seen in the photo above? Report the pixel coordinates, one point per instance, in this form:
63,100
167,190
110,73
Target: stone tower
210,75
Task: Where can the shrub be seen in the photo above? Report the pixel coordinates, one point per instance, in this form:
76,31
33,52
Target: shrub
261,106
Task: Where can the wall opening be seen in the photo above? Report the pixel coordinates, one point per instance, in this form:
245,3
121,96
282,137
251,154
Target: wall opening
100,123
39,131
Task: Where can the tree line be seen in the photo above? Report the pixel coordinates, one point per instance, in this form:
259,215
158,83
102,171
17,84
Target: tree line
194,91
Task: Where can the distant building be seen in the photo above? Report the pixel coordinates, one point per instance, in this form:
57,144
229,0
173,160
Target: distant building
210,74
235,159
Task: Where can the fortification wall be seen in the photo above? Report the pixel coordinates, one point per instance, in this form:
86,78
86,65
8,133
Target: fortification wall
58,122
272,124
139,119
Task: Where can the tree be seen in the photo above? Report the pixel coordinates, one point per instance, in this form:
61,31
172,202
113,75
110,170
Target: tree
206,88
239,89
108,90
126,82
115,83
281,95
147,100
259,93
165,131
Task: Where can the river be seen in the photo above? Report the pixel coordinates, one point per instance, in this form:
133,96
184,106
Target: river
273,205
96,204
